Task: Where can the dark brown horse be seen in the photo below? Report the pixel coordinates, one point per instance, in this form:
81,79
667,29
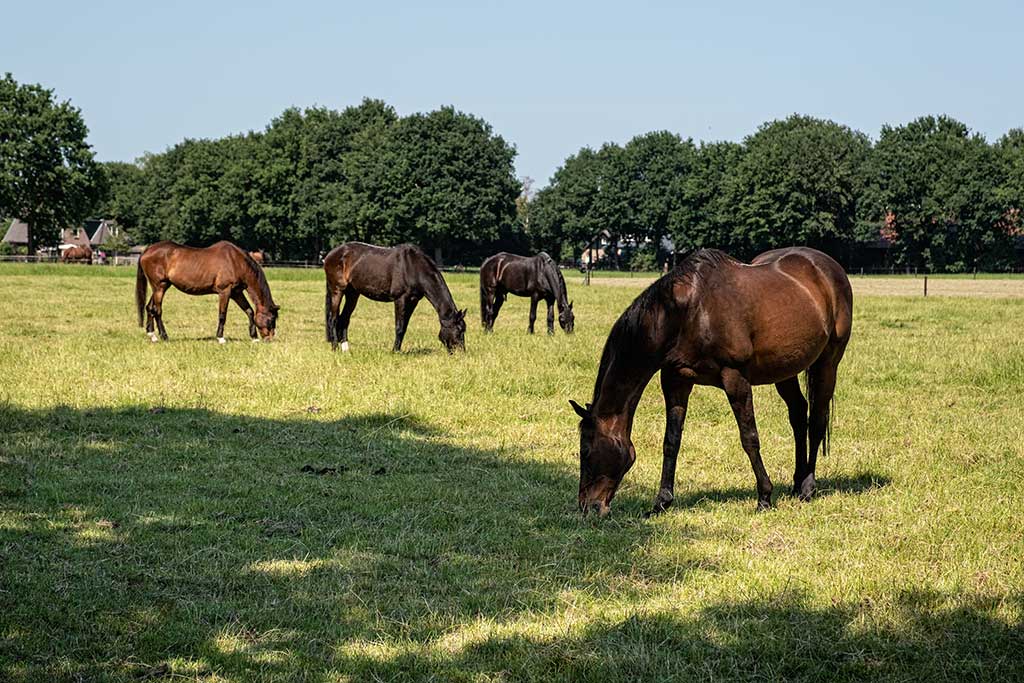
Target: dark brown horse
718,322
222,269
81,254
402,274
537,277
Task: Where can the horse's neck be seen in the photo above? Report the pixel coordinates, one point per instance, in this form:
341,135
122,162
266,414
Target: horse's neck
619,387
436,292
550,271
255,291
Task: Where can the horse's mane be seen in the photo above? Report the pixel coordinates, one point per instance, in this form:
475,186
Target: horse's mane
554,274
261,278
693,269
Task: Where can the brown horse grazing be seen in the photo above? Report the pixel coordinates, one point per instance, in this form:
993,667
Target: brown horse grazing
222,269
537,277
718,322
77,254
402,274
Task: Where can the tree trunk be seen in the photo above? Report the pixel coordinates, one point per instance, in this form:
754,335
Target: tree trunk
30,237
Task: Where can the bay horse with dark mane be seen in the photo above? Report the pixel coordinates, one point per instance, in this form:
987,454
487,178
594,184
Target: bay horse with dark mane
77,254
715,321
537,277
222,269
403,274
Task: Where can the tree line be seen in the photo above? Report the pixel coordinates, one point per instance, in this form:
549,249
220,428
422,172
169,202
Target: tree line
929,194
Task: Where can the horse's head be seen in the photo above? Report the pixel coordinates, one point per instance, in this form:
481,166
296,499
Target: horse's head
453,332
566,319
266,320
604,460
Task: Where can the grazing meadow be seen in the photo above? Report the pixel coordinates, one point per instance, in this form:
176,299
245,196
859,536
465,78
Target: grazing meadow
277,512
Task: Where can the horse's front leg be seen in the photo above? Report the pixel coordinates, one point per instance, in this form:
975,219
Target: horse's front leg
677,397
404,306
222,314
533,313
243,303
551,316
741,399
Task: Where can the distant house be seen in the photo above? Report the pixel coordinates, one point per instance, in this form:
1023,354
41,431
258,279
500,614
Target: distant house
93,233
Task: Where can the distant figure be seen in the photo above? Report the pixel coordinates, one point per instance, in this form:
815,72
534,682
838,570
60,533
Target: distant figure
77,255
222,269
537,277
403,274
258,256
664,268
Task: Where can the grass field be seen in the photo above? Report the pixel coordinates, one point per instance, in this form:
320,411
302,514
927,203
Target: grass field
156,521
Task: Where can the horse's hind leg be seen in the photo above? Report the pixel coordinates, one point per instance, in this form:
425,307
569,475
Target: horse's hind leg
821,386
790,392
156,309
741,399
243,303
341,330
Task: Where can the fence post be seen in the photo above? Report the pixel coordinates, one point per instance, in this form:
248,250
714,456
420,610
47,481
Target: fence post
926,285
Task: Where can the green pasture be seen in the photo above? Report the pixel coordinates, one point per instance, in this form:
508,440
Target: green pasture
191,511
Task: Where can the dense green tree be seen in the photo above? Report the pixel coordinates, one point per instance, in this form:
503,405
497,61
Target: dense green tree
798,183
123,196
447,181
935,183
48,176
1010,193
657,165
705,216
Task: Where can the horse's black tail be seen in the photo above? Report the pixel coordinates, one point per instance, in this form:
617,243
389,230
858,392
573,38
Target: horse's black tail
328,323
812,400
140,290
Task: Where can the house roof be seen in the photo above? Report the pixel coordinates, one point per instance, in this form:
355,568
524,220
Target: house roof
17,232
102,232
76,236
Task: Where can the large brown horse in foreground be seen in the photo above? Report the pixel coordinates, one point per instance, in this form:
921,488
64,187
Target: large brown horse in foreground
222,269
718,322
403,274
537,277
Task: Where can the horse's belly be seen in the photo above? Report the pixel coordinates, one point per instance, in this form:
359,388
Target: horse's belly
774,363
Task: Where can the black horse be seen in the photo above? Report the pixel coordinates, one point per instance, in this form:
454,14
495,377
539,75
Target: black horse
537,277
403,274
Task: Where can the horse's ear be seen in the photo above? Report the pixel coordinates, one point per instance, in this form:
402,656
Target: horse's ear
462,313
275,308
584,413
570,305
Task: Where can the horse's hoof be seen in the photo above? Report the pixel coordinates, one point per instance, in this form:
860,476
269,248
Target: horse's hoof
764,505
344,347
807,488
153,338
222,340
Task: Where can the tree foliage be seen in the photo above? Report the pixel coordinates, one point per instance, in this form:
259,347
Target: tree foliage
48,176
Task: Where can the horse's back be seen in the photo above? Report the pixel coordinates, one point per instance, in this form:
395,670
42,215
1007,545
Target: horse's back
820,276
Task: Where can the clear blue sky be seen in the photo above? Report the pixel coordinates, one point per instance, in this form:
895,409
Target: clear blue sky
550,77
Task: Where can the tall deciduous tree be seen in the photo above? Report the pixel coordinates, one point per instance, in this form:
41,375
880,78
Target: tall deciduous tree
48,176
798,183
448,179
937,183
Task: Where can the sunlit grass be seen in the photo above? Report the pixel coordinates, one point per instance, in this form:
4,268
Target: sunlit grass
155,518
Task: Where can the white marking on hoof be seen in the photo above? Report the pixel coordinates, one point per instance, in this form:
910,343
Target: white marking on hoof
255,341
222,340
344,346
153,338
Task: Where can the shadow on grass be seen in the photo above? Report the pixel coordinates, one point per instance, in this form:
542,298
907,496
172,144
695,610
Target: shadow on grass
142,536
925,636
147,542
864,482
